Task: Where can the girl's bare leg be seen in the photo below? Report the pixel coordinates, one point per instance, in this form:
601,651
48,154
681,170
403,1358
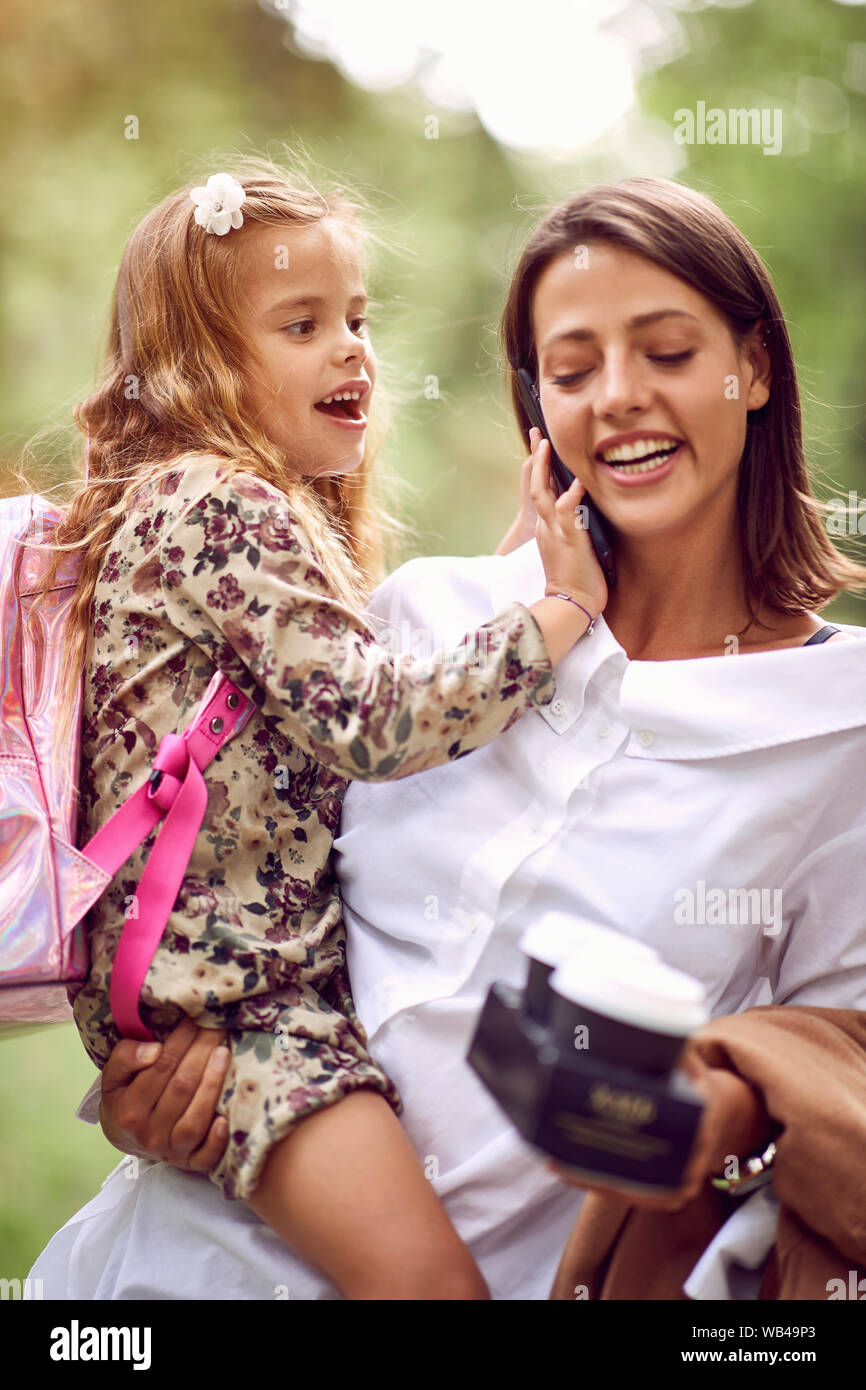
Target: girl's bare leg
347,1192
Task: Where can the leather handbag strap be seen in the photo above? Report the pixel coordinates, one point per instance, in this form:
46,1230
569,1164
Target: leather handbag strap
175,789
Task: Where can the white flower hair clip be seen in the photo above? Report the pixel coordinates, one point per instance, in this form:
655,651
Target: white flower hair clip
218,204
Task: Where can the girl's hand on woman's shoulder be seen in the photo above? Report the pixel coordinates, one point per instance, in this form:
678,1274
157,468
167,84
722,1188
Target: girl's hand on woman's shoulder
163,1108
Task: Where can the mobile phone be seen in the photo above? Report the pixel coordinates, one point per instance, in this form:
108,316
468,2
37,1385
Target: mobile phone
564,478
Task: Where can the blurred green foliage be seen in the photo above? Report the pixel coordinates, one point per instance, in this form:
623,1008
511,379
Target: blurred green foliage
50,1162
213,75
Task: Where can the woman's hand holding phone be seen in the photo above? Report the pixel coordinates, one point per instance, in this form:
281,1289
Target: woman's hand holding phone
567,554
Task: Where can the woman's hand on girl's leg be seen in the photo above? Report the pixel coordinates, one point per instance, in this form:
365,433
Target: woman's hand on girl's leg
164,1108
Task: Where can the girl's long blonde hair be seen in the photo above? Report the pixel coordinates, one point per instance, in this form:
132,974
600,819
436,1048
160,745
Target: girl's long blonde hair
172,391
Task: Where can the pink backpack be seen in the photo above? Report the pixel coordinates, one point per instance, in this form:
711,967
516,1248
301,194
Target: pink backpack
47,884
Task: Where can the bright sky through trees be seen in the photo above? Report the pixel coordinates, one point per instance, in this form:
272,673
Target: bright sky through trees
553,75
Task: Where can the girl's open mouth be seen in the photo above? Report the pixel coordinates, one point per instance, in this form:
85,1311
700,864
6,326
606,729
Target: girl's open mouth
650,469
348,415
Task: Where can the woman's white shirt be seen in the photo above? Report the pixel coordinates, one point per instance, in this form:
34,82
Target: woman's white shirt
714,808
638,790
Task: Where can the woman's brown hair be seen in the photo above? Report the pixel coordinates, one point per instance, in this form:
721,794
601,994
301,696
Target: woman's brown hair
789,561
172,391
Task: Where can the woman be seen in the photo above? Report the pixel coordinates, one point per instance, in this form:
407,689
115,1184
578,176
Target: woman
668,385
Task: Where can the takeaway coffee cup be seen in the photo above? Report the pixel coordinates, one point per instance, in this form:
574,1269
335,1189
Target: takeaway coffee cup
556,938
583,1061
628,1010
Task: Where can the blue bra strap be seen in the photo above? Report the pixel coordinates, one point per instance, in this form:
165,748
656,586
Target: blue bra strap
821,635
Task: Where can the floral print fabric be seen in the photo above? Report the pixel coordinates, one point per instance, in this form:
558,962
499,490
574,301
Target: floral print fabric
210,570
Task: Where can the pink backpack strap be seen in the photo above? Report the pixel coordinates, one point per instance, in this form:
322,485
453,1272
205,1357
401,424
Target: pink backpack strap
175,789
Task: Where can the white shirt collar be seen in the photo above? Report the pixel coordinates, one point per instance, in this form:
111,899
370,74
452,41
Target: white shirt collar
707,706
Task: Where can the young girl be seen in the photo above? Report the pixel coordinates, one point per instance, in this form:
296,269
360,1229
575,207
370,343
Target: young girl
226,522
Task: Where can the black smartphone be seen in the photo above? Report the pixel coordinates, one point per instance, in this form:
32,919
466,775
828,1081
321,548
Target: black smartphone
564,478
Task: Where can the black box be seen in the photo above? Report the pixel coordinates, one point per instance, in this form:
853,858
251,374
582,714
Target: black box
608,1123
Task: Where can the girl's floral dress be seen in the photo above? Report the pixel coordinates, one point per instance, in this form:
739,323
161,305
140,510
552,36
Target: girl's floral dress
213,570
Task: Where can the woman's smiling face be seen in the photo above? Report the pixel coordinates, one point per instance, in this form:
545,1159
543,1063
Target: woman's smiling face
602,331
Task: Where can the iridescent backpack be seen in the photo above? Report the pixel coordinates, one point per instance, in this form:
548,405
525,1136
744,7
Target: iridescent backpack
48,883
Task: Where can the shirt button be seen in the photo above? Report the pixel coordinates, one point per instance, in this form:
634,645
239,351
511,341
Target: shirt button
647,738
558,707
604,731
386,991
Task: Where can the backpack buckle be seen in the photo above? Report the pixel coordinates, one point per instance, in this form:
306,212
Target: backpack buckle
173,754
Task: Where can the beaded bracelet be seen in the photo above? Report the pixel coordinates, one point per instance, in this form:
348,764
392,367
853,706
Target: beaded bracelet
569,599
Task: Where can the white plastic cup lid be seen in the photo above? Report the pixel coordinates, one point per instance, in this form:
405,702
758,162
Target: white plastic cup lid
645,993
556,937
